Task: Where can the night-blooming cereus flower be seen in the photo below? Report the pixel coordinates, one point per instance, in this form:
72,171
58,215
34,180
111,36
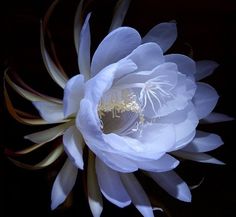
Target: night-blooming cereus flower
134,108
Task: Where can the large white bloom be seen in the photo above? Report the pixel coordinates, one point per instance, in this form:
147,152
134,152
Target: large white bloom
134,108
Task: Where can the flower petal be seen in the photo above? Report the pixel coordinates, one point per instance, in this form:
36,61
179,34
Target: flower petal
163,34
94,194
73,145
107,179
137,194
63,184
185,64
173,184
205,99
205,68
84,49
165,163
199,157
203,142
119,15
59,77
115,46
50,112
216,117
73,93
185,122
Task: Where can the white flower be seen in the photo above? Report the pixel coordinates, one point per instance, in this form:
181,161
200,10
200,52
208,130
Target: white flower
134,108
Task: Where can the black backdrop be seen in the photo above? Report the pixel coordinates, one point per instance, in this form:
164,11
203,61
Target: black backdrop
207,27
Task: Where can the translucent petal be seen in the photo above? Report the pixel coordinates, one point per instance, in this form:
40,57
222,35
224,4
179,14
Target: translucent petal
205,68
63,184
216,117
119,15
107,179
165,163
205,99
199,157
163,34
137,194
185,64
203,142
50,112
84,49
115,46
73,93
73,144
94,194
173,184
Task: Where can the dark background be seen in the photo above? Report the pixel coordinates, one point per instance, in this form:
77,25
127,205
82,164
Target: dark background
205,27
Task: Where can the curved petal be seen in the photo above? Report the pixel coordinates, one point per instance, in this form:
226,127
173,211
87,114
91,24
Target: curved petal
94,194
137,194
50,112
73,145
107,179
119,15
163,34
165,163
205,99
214,117
147,56
205,68
173,184
185,122
115,46
63,185
199,157
185,64
73,93
84,49
204,142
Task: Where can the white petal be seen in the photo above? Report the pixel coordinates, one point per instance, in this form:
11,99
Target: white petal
137,194
73,145
199,157
185,122
111,185
205,68
49,134
216,117
84,49
63,184
205,99
50,112
147,56
94,194
185,64
173,184
73,93
115,46
203,142
165,163
163,34
120,12
98,85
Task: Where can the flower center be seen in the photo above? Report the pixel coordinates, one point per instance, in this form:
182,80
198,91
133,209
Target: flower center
120,112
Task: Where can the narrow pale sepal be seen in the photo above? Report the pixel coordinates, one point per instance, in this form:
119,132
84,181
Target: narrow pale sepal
119,15
198,157
73,145
111,186
63,184
204,142
172,184
214,117
137,194
94,193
